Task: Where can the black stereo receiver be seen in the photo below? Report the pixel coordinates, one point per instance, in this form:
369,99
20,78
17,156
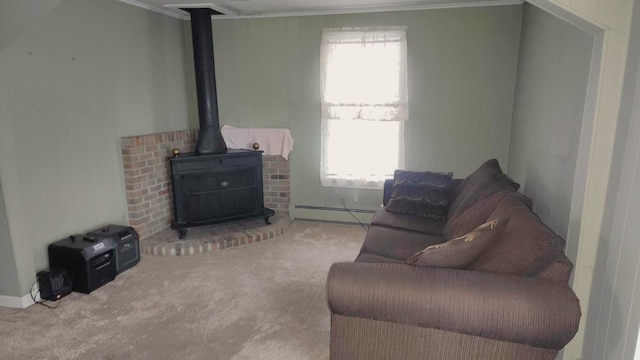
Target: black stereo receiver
125,241
90,261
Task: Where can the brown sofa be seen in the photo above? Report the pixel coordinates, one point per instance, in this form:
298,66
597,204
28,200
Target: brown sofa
511,302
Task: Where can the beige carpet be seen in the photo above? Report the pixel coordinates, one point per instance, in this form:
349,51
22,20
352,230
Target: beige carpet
259,301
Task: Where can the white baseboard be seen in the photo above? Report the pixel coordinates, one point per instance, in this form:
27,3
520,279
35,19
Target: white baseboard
16,302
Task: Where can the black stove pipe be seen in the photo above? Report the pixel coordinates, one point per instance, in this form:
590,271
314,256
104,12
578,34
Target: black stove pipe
210,139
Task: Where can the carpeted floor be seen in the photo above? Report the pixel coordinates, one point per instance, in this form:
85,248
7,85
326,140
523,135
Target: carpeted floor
259,301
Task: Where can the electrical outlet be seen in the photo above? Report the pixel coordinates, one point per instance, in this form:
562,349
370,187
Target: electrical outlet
355,198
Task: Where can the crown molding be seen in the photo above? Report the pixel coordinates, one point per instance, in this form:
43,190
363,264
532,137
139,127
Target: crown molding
231,15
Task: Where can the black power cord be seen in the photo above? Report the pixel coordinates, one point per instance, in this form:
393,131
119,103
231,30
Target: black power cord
41,302
349,211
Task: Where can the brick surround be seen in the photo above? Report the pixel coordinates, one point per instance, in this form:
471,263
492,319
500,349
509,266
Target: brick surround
148,181
275,173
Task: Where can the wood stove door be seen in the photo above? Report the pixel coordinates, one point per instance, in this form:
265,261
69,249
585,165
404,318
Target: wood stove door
218,195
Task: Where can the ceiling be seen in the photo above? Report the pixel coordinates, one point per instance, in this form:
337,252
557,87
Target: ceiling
273,8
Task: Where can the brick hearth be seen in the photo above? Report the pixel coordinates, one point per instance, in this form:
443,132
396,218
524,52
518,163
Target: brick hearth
205,239
148,180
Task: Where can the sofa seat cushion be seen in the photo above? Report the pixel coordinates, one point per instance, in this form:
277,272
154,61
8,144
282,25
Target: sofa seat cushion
372,258
407,222
559,269
525,247
459,252
396,243
486,180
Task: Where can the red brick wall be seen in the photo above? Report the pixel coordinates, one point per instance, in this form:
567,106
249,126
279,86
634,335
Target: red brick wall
275,173
148,180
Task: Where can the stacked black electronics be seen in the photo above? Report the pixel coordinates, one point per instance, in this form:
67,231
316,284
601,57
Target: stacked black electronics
125,241
90,263
95,259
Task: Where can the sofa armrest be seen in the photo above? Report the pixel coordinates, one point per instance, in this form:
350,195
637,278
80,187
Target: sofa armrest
525,310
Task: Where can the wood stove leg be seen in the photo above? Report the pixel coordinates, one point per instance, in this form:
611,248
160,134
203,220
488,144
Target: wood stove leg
182,233
266,220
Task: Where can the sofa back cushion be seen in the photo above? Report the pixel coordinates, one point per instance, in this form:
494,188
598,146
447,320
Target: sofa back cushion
525,247
459,252
486,180
476,215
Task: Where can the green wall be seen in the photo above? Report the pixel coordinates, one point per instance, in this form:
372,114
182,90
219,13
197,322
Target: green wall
88,73
16,16
18,270
551,90
462,69
9,284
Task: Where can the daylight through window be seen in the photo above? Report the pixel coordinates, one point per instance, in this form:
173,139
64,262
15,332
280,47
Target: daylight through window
364,102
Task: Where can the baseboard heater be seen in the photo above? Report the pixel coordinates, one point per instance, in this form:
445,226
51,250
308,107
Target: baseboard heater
335,209
333,214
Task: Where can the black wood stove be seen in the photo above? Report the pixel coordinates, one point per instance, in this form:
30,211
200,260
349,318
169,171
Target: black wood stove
213,185
214,189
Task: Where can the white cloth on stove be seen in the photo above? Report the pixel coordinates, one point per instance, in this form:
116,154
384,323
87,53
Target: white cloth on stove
272,141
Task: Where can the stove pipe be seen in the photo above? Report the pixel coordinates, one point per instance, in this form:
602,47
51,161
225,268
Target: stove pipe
210,139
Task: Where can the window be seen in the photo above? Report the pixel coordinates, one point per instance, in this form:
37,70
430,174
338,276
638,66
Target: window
364,103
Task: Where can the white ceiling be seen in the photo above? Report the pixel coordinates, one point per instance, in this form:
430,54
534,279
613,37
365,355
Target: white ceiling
271,8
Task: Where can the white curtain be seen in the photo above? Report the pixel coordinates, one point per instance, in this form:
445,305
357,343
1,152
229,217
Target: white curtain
364,101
